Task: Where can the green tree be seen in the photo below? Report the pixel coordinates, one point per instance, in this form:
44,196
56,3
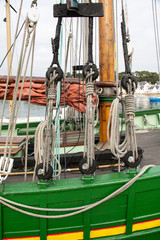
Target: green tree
143,76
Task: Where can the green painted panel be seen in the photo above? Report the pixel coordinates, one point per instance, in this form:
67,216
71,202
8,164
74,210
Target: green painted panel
18,224
65,223
115,210
147,203
73,192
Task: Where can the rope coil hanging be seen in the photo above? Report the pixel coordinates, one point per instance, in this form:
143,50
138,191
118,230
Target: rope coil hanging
45,138
88,165
127,150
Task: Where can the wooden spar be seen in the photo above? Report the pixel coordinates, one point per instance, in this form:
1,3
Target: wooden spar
106,52
8,26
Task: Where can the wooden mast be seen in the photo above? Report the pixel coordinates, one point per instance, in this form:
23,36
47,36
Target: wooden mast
8,27
106,52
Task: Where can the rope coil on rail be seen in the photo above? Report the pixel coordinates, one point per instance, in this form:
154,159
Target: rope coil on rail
128,148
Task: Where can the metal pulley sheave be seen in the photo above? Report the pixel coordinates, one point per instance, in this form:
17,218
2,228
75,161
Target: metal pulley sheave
129,161
85,169
44,174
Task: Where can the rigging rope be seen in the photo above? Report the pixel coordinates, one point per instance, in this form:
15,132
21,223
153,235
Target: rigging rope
129,144
30,27
89,125
156,33
14,43
29,100
45,133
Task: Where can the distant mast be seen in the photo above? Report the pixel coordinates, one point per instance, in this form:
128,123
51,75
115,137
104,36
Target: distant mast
106,57
8,26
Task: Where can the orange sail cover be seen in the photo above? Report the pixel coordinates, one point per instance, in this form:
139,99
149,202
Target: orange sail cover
74,93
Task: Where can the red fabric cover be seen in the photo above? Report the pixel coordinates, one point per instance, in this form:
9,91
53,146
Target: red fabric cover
74,94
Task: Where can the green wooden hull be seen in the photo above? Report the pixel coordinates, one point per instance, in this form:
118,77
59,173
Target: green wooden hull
134,214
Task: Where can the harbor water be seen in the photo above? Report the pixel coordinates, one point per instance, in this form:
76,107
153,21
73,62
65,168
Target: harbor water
141,103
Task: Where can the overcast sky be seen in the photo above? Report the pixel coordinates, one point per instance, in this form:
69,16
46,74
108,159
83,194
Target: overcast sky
140,27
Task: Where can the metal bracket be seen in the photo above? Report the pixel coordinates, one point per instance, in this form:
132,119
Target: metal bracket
84,10
87,179
43,184
106,92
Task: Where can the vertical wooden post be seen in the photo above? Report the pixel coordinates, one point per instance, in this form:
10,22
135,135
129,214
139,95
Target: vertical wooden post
106,52
8,26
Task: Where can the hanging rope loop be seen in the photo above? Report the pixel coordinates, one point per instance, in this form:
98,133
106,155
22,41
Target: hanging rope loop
45,135
126,150
88,164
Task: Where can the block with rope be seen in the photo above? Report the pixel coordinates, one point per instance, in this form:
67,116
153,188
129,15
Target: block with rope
90,73
127,150
46,133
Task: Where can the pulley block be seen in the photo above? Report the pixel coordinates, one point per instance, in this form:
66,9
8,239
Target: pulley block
85,168
44,175
57,70
126,80
33,14
129,160
87,69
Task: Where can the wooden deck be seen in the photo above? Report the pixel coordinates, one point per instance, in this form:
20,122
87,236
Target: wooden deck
149,141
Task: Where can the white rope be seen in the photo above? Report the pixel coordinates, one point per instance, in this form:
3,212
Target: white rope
113,136
14,112
14,43
29,103
89,125
81,209
39,146
45,135
156,34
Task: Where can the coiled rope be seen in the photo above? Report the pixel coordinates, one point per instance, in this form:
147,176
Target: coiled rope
129,144
45,134
89,121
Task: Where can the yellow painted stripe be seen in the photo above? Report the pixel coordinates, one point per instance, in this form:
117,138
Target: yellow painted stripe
66,236
146,225
95,233
104,232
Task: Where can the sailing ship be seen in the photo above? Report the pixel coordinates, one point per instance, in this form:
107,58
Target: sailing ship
122,205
